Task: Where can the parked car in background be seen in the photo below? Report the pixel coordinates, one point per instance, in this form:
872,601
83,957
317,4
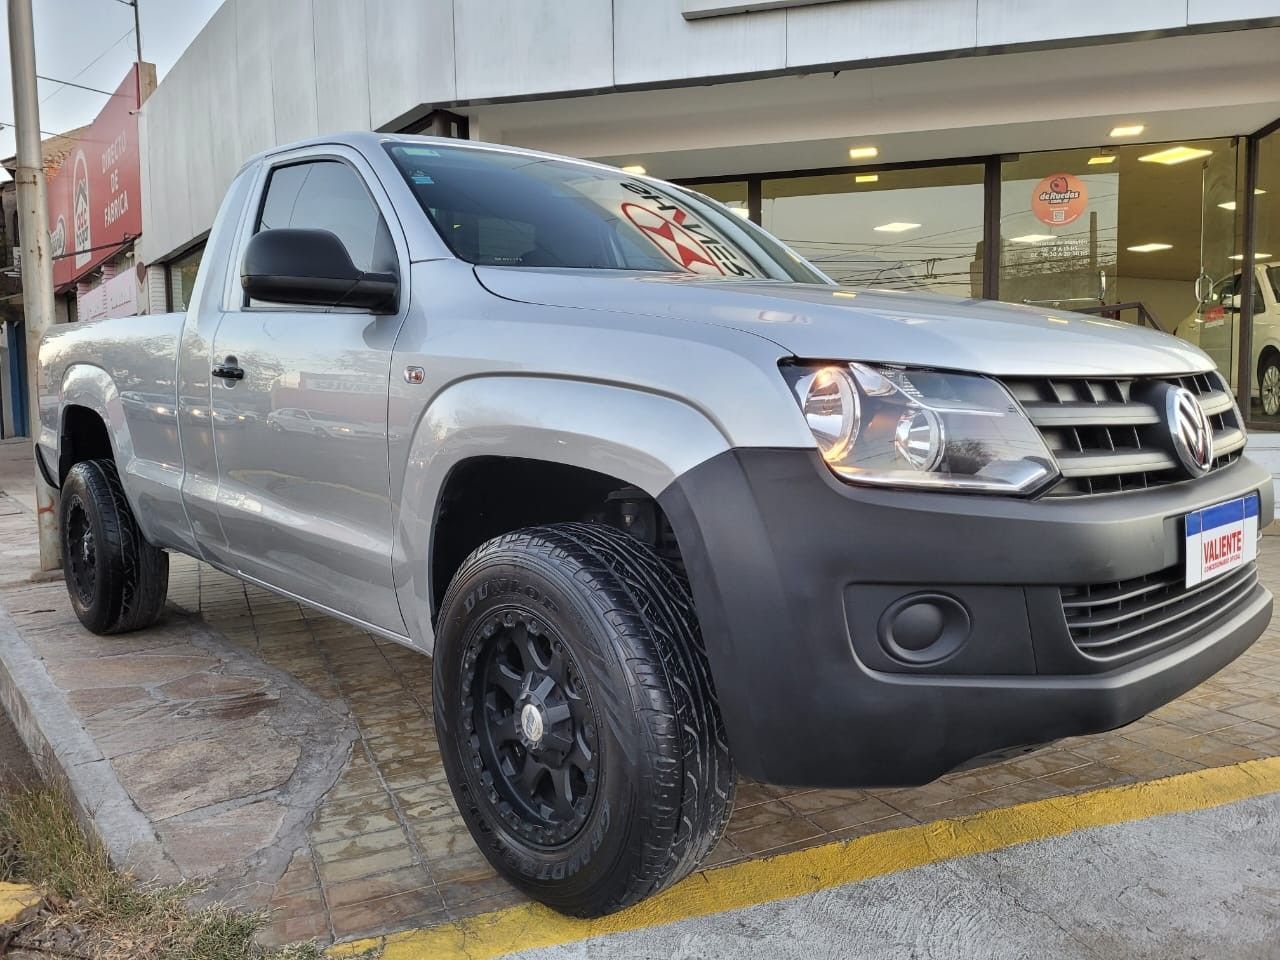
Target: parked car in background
663,502
1212,327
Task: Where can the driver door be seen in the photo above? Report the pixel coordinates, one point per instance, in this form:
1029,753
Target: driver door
301,437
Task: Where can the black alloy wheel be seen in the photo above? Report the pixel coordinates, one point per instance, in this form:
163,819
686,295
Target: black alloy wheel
577,719
116,580
80,553
535,734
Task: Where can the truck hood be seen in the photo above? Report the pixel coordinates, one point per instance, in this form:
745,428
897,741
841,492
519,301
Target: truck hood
815,321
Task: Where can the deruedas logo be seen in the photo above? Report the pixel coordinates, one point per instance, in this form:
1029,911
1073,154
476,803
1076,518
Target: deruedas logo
80,209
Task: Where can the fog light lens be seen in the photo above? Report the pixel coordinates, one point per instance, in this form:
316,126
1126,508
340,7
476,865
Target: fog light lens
924,628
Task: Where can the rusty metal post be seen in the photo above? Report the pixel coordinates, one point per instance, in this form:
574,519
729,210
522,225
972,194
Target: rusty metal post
37,267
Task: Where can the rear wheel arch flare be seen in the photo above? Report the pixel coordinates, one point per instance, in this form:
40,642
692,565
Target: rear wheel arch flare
83,435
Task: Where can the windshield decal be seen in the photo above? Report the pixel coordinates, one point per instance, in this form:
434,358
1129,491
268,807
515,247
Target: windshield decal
676,243
681,236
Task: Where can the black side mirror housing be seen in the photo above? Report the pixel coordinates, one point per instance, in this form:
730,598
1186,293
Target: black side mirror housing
312,267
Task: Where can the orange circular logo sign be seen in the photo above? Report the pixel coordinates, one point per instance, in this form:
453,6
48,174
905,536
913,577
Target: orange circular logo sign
1059,199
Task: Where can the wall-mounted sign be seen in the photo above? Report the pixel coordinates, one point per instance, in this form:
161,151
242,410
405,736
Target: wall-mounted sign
117,297
1059,199
95,197
697,9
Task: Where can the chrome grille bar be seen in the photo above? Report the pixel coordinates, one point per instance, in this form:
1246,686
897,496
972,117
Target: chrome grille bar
1109,437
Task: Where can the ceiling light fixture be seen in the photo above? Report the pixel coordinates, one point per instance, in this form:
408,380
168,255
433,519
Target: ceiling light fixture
897,227
1101,159
866,178
1150,247
1231,204
636,169
1129,130
1257,256
1032,238
863,153
1174,155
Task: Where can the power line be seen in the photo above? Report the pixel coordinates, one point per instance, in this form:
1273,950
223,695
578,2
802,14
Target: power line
12,126
128,33
78,86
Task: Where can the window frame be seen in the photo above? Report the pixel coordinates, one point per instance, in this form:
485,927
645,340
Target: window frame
171,267
235,300
1246,372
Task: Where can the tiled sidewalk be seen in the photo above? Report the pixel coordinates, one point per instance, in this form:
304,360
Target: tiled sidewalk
386,849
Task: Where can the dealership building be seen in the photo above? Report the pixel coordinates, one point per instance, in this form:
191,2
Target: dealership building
1117,158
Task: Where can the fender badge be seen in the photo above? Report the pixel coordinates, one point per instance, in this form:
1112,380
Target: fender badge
414,375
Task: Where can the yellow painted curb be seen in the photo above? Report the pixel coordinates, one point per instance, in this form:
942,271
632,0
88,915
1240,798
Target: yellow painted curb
16,898
530,926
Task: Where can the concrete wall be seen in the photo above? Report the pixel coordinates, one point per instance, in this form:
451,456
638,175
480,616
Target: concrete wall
264,72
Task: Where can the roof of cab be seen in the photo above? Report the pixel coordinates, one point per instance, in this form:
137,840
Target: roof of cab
370,142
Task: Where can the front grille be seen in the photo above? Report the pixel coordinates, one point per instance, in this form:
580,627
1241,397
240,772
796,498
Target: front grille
1113,620
1108,439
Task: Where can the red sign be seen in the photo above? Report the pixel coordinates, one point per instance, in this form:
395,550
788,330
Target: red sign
95,197
1059,199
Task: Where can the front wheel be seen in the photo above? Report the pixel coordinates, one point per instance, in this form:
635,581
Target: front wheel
117,581
1269,384
577,719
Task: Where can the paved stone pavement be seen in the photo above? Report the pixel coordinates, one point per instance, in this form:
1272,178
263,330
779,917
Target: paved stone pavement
383,848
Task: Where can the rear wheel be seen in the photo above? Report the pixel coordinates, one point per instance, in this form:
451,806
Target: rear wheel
116,580
1269,384
577,719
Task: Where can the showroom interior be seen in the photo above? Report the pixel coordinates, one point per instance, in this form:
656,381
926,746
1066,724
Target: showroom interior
1157,235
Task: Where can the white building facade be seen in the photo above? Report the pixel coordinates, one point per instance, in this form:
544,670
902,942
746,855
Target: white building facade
1113,157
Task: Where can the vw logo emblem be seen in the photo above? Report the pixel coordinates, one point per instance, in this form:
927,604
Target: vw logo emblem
1191,431
531,723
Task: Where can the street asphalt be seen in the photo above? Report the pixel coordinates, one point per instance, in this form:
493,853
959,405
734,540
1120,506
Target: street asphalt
1201,885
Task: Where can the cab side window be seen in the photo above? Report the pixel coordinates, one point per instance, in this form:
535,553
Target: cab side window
329,195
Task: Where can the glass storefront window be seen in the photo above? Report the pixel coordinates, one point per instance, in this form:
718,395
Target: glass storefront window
913,229
182,278
1265,313
1149,225
1058,233
732,193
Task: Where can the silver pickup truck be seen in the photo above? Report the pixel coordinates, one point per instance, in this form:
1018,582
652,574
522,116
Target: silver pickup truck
663,502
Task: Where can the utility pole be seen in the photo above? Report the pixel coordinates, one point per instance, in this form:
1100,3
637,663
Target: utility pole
137,46
37,267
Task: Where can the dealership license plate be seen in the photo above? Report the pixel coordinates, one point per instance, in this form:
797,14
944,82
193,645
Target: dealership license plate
1221,539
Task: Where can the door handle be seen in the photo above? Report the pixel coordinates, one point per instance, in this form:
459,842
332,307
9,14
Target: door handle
229,370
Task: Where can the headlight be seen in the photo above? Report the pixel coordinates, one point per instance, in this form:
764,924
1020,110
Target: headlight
921,428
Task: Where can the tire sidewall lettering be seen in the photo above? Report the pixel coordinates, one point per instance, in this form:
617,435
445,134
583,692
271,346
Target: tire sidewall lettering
503,586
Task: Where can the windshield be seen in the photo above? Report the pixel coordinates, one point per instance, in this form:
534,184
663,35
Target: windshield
509,210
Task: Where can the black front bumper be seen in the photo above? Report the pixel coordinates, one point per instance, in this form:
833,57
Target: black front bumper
792,572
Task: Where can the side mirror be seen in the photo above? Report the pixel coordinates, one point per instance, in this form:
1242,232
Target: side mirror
1232,303
312,267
